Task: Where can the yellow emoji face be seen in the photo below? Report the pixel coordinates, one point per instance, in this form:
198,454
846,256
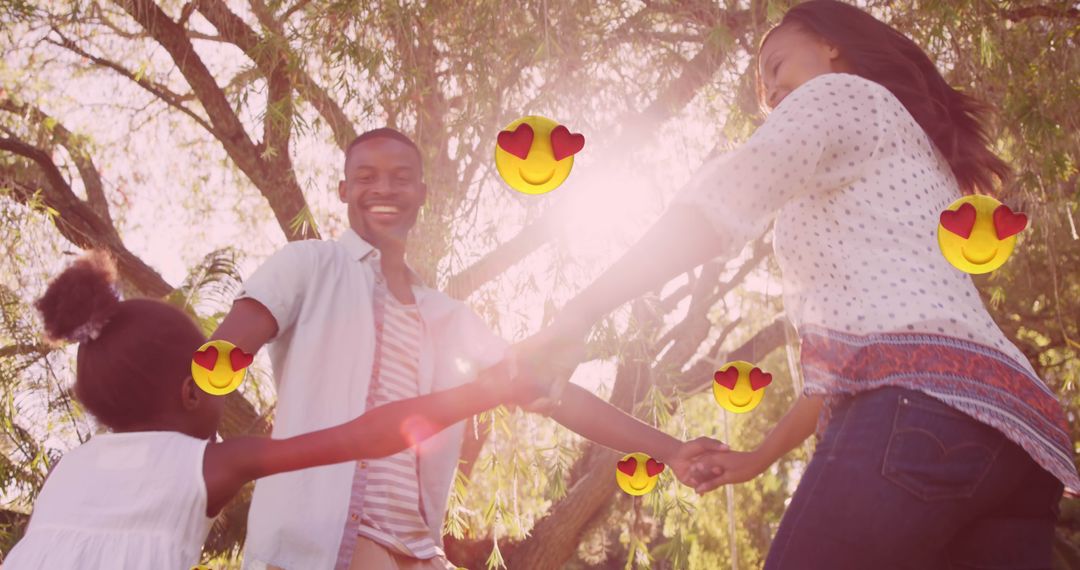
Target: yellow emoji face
637,473
739,386
977,233
534,154
218,367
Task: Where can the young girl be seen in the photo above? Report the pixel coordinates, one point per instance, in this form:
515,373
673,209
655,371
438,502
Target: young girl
942,447
143,496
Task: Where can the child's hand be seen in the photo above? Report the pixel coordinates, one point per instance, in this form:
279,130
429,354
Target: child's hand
715,469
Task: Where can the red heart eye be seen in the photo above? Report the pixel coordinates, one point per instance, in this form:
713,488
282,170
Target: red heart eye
960,221
1007,223
206,358
564,144
628,466
518,141
653,467
239,359
727,378
759,379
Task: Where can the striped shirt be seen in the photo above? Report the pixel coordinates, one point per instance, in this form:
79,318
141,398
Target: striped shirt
321,295
391,508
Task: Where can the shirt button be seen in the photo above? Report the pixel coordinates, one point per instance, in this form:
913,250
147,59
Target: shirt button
363,464
354,517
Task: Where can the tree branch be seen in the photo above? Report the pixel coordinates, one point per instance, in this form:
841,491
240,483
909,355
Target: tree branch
174,100
275,179
669,101
1053,12
498,260
268,57
24,349
88,172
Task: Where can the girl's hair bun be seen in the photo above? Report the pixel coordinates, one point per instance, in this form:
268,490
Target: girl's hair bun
78,303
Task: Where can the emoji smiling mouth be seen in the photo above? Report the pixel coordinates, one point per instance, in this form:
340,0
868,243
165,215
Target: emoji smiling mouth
639,488
979,260
536,180
740,402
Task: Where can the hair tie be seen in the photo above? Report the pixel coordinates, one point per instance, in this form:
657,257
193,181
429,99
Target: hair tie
88,331
91,330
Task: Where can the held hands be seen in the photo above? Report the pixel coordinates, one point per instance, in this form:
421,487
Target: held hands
690,453
505,383
549,358
712,470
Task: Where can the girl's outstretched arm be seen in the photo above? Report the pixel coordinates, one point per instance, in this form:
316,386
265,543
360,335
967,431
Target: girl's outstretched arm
380,432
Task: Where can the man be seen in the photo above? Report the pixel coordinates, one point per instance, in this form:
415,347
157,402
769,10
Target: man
350,326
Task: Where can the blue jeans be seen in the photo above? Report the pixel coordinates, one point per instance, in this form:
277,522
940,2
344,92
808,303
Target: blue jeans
901,480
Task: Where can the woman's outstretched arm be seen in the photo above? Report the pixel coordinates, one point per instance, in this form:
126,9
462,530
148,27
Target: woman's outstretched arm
717,469
681,239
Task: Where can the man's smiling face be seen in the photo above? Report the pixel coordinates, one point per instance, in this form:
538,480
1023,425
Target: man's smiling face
383,188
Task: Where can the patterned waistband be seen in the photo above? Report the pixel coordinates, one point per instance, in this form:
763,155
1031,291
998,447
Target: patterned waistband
978,380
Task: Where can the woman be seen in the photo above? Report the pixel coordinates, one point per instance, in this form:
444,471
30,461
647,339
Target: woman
939,445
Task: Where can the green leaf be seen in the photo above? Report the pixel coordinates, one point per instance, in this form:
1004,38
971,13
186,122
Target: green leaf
303,223
140,73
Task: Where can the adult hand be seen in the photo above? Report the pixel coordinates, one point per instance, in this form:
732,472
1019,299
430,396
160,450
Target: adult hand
503,382
550,357
688,454
716,469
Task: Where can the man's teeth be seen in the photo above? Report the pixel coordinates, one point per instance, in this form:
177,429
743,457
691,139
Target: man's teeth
383,210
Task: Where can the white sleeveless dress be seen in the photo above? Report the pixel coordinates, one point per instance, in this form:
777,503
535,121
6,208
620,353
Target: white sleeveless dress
121,501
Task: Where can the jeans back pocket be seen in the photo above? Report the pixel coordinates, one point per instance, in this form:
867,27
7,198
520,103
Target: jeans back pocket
936,452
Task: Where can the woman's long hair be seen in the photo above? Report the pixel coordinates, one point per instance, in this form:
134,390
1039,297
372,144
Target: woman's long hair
876,51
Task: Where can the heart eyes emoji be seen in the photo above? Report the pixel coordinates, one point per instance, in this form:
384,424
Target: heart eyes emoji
238,359
977,233
729,378
961,221
632,478
629,467
518,142
739,386
1007,223
215,377
206,358
759,379
653,467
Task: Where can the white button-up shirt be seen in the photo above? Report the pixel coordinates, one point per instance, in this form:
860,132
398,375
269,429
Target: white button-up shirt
320,294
